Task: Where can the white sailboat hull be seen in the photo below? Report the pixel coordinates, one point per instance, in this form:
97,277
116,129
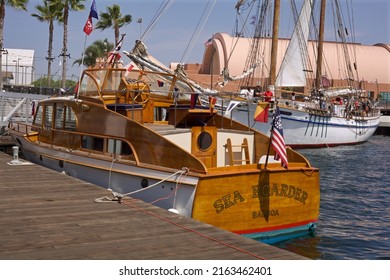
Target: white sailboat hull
304,130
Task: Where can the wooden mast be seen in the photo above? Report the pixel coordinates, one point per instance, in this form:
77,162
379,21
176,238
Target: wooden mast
320,45
274,48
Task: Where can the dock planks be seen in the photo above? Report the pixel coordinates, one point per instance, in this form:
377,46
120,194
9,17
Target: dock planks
48,215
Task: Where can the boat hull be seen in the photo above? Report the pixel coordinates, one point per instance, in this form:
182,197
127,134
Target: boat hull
266,205
119,178
302,129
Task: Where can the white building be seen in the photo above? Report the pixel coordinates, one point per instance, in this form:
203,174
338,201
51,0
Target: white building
20,63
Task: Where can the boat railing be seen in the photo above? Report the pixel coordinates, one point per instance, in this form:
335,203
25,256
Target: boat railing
62,138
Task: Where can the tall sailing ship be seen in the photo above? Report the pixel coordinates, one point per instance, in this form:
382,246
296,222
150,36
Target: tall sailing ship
325,117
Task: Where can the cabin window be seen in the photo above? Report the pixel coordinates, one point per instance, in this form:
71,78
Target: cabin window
160,114
88,86
48,116
38,116
58,122
92,143
118,147
204,141
113,81
69,119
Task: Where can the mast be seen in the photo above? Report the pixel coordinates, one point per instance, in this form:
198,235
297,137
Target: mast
320,45
275,35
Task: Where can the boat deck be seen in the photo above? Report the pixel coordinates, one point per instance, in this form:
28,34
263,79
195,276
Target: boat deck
48,215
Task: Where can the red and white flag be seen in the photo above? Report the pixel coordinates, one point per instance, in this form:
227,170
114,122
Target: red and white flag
88,27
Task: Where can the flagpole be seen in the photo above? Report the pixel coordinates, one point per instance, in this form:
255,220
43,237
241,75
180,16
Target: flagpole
270,140
82,66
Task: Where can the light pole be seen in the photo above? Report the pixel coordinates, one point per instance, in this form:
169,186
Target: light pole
22,72
16,71
4,51
139,20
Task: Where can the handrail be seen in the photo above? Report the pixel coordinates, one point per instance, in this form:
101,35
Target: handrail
27,129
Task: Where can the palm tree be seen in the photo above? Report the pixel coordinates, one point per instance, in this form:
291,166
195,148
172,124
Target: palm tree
17,4
50,13
97,50
65,6
113,18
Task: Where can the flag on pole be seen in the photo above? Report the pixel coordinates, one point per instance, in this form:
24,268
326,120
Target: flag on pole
88,27
115,55
194,98
93,13
128,69
212,101
261,113
277,139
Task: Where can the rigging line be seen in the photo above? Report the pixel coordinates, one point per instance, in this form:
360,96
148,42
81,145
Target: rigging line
352,35
244,28
202,22
342,35
165,5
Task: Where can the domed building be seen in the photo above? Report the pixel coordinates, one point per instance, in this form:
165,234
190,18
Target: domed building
222,50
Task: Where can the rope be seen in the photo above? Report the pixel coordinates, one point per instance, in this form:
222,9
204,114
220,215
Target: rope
118,196
192,231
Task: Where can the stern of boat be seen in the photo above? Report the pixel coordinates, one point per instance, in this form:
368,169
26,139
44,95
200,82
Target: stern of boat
271,205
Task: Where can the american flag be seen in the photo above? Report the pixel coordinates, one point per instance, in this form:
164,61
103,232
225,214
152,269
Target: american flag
277,140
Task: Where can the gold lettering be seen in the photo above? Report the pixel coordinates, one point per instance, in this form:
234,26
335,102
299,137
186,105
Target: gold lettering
297,194
274,190
255,191
291,192
284,189
304,197
226,200
218,205
238,196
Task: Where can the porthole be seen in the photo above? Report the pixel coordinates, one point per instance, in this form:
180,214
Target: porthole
204,141
61,163
144,183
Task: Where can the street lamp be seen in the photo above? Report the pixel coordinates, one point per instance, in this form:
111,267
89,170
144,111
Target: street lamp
139,20
22,72
17,70
3,51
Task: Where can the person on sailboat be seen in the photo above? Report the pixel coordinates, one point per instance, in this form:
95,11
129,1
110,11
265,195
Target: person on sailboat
268,95
293,99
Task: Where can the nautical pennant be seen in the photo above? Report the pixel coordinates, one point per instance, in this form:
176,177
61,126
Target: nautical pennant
261,113
194,98
212,101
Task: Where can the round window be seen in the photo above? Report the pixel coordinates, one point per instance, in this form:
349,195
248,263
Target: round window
204,141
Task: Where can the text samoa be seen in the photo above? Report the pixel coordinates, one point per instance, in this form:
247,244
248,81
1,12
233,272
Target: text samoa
282,190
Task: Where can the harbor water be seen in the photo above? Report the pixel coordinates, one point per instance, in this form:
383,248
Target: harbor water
354,222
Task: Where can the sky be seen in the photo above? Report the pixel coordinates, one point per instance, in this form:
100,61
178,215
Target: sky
170,37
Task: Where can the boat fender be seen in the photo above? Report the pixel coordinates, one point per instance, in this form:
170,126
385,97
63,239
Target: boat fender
173,210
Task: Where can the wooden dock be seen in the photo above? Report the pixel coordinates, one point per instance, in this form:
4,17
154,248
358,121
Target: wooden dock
48,215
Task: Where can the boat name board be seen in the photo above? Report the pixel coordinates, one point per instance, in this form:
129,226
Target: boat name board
284,190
